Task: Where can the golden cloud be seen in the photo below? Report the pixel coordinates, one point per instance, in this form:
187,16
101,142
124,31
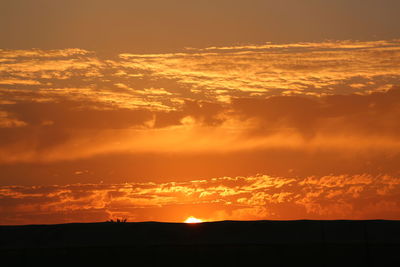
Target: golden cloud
241,198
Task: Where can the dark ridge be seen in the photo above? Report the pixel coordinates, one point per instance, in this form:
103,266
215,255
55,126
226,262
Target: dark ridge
225,243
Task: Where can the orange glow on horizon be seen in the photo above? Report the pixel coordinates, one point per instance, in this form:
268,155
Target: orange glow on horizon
192,219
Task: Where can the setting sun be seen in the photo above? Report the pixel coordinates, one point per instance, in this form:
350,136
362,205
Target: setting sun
192,219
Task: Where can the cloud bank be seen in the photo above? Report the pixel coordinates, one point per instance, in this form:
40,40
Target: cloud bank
240,198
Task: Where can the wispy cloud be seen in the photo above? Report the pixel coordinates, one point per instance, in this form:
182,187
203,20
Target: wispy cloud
242,198
215,74
303,68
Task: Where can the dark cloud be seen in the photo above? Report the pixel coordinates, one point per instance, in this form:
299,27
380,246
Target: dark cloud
371,114
77,115
284,112
53,123
204,112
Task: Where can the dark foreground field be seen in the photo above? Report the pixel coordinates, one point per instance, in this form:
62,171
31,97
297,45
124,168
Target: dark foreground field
228,243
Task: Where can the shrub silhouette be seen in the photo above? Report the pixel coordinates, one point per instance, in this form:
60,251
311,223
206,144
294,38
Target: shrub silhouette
117,221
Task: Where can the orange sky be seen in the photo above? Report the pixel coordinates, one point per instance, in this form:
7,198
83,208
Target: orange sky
263,128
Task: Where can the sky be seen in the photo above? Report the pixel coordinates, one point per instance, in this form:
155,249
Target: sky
222,110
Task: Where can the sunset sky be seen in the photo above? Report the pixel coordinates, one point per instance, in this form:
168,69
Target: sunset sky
158,110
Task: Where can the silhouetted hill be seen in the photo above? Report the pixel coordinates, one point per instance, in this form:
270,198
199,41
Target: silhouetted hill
227,243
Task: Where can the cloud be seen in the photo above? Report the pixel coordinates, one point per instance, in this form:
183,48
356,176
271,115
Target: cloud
241,198
296,110
372,114
302,68
212,74
47,143
342,44
344,124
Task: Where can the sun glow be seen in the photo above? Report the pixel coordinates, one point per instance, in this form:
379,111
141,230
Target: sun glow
192,219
